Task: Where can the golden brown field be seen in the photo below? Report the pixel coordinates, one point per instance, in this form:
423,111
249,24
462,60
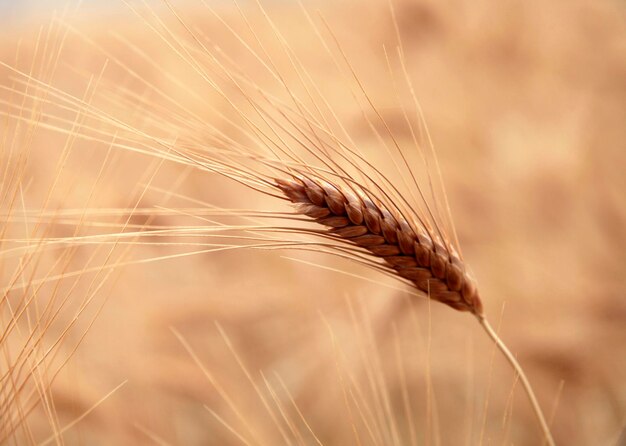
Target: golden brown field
112,336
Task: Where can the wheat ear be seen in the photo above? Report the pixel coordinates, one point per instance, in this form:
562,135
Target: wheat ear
414,254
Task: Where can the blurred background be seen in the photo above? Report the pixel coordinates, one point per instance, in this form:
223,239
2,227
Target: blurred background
20,13
526,104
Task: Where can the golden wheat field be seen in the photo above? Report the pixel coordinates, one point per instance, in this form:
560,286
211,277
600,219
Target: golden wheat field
155,292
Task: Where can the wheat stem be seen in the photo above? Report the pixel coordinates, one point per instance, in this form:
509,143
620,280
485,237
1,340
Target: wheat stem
518,369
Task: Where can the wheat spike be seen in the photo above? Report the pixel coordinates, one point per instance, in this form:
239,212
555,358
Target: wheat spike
413,254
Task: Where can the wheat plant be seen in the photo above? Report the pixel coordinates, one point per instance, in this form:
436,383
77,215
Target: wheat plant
310,142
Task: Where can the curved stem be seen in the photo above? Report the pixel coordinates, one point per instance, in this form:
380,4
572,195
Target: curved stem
518,369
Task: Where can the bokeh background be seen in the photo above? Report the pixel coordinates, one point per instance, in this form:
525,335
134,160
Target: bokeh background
526,105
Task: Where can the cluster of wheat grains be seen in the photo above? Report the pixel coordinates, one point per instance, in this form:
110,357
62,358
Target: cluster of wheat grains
158,150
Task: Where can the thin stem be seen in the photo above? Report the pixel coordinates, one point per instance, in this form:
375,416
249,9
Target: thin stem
518,369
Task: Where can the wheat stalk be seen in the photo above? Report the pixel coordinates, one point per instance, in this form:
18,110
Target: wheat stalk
428,262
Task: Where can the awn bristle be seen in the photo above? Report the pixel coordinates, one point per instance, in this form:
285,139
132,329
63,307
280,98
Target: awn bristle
413,254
